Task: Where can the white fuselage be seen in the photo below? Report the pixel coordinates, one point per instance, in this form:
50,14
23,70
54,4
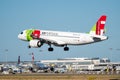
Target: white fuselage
38,37
69,38
58,38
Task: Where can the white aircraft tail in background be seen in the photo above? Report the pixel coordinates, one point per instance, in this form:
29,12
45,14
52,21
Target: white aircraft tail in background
38,37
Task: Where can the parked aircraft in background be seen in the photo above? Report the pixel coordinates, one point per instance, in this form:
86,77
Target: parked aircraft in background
38,37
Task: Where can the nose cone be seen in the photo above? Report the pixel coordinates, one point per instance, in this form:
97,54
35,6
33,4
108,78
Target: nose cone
22,37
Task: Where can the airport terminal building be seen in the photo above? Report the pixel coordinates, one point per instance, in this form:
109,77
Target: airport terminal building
83,63
69,65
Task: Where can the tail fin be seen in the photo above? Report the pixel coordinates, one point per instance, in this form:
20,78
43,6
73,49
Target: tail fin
98,28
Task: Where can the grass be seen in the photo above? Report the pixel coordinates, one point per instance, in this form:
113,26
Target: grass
58,77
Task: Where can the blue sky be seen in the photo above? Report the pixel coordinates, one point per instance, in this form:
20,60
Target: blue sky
63,15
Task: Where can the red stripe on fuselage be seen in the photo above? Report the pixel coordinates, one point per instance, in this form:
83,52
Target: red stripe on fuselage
36,34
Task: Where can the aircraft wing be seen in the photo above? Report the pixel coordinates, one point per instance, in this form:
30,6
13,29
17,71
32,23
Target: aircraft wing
53,41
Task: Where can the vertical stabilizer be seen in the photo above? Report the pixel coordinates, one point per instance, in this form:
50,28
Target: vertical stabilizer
98,28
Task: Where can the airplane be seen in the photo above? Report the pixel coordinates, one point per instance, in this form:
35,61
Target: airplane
37,38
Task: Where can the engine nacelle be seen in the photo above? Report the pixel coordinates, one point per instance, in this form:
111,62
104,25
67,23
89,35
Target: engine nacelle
35,43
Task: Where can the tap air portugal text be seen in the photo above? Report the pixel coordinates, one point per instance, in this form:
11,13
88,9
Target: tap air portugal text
37,38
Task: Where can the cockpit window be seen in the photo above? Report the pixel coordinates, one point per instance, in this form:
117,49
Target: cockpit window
21,33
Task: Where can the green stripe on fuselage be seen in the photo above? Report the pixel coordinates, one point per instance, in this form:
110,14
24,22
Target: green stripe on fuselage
28,34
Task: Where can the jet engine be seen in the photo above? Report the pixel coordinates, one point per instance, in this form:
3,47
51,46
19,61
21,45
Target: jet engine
35,43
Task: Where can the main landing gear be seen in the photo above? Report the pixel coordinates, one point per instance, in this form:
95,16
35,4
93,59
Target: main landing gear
50,49
65,48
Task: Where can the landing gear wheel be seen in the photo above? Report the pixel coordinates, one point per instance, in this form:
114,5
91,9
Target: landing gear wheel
29,46
66,48
50,49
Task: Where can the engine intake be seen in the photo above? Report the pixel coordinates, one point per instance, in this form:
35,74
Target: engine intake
35,43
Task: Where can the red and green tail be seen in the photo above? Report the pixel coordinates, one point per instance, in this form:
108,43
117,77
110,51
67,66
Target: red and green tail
98,28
